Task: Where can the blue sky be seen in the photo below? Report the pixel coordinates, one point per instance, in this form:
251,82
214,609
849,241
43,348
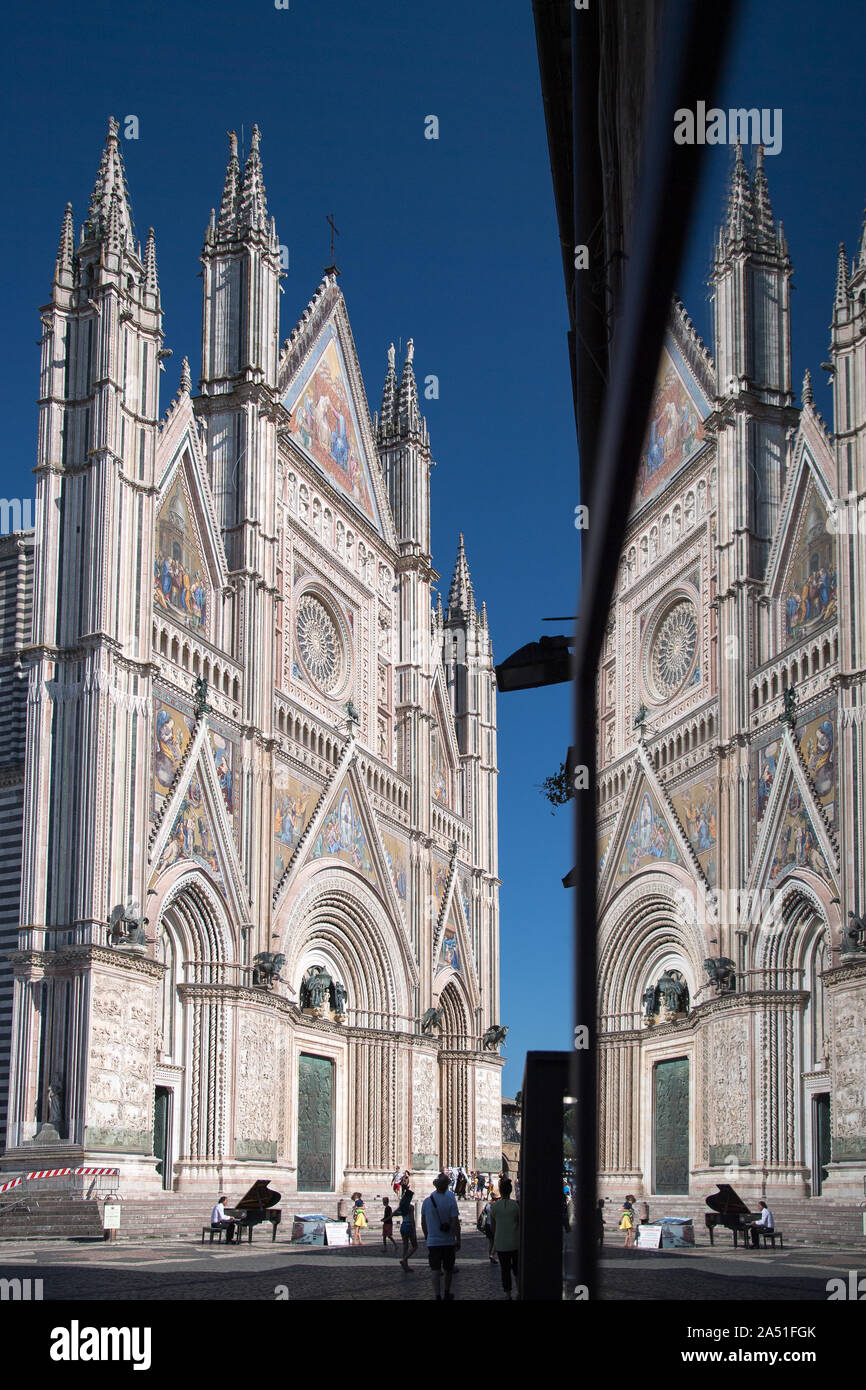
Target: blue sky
453,242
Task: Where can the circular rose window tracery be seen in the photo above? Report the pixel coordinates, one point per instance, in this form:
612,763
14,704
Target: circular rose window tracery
672,650
320,644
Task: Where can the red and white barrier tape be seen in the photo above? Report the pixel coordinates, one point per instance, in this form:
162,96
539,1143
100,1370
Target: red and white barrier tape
60,1173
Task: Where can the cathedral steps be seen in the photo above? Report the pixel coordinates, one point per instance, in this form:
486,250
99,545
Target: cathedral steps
802,1220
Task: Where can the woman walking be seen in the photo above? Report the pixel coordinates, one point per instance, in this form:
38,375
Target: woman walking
359,1219
505,1225
407,1227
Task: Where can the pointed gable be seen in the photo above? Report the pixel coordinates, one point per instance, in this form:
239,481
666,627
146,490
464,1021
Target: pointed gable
342,834
680,406
648,840
808,590
329,418
192,835
295,800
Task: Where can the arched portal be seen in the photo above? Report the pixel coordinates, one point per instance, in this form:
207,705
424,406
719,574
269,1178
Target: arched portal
193,942
349,1117
458,1048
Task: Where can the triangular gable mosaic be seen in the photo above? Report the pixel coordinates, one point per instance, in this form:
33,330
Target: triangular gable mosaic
295,800
173,730
697,810
192,835
180,584
817,740
324,421
342,836
676,428
397,859
809,590
797,845
649,839
449,952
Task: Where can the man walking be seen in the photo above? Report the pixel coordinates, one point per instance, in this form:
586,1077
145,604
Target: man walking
440,1222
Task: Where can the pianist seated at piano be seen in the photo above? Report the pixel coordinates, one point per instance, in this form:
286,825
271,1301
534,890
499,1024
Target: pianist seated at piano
221,1222
765,1223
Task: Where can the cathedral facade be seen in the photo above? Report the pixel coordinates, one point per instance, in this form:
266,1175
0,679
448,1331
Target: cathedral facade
250,900
732,763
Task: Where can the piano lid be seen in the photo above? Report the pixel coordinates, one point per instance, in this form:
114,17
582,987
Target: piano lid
727,1202
258,1198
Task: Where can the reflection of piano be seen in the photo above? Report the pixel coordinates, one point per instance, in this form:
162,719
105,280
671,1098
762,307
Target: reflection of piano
728,1209
259,1204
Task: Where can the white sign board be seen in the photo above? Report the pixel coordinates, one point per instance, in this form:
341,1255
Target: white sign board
649,1237
337,1232
111,1217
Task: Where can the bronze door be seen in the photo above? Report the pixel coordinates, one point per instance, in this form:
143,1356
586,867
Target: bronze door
315,1124
671,1126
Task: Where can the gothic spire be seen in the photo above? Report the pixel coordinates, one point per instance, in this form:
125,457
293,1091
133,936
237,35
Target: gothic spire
109,201
252,209
67,242
185,377
409,416
741,209
461,597
151,283
808,398
841,300
229,205
766,229
387,423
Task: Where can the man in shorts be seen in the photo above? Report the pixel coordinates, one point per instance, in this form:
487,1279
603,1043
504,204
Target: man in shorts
440,1222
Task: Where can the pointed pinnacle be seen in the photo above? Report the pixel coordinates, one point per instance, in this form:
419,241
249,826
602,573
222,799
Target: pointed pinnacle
808,398
110,184
409,416
461,598
151,283
252,209
763,210
741,212
229,204
387,415
841,299
185,377
67,241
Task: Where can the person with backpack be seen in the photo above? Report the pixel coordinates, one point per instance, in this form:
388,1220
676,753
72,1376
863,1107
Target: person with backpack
440,1222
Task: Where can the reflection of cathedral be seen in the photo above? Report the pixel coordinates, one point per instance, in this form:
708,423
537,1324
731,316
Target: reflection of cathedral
247,724
732,817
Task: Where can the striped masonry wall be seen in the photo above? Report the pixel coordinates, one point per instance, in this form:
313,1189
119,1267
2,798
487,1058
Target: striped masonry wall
16,601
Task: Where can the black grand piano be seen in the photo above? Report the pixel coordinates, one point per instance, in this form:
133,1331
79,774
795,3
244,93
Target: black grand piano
729,1209
259,1204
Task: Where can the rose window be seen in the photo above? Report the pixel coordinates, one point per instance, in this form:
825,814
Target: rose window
320,644
673,648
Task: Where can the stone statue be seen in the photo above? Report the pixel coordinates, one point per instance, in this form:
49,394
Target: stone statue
789,699
55,1101
339,996
494,1037
674,991
854,935
200,703
126,926
650,1007
266,968
722,973
432,1019
316,988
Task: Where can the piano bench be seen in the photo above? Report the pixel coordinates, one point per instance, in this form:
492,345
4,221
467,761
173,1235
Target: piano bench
772,1237
218,1231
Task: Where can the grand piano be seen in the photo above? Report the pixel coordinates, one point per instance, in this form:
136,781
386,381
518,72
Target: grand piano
728,1209
259,1204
